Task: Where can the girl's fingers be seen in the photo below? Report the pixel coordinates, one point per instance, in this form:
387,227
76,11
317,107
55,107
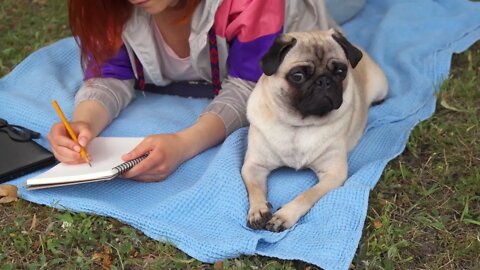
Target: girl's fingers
66,142
140,150
58,137
64,147
142,167
84,136
67,155
149,178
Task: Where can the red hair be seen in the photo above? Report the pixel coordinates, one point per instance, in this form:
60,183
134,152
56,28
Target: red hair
98,25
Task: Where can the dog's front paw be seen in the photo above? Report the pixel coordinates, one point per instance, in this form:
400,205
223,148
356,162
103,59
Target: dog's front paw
280,221
259,215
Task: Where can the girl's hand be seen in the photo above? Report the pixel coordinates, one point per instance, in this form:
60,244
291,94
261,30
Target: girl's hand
63,147
165,153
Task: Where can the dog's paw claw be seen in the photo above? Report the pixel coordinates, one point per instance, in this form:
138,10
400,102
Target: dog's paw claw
275,224
278,223
259,217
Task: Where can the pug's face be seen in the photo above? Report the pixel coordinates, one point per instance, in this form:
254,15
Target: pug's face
311,68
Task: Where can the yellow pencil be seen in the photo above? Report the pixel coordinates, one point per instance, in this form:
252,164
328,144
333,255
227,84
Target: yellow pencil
70,131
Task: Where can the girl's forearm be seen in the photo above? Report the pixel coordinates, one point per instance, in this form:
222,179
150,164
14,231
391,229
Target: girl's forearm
207,132
94,114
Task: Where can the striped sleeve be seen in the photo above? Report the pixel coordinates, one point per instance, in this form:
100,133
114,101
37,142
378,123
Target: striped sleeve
118,67
250,27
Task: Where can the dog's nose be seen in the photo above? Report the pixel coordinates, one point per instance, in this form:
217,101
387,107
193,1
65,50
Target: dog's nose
324,82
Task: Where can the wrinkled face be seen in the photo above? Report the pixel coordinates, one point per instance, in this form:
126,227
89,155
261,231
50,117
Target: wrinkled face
317,83
313,67
154,6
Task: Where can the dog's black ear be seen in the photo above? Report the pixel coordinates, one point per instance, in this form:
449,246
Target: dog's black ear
353,54
274,57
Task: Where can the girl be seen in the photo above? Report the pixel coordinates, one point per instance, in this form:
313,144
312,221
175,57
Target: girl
162,45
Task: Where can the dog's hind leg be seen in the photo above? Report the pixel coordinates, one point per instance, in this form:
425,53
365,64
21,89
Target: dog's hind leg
371,79
377,86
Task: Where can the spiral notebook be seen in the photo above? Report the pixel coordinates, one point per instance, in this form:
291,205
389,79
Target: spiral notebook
107,164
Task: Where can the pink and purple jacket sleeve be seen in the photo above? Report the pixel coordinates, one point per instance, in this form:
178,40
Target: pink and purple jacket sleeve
118,67
250,27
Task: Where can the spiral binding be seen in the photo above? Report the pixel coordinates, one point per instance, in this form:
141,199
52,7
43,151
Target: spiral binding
129,164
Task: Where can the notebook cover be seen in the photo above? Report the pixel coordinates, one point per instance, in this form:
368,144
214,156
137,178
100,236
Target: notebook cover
19,158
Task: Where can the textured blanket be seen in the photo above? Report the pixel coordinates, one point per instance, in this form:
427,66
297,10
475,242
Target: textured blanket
202,207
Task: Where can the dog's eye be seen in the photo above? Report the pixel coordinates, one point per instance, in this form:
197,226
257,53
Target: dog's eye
297,77
340,71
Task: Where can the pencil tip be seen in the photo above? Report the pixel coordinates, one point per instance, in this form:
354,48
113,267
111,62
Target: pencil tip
89,164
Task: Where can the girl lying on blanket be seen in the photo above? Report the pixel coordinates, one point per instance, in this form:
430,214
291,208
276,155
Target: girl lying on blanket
176,47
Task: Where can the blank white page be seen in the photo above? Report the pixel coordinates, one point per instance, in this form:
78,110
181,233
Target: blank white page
105,154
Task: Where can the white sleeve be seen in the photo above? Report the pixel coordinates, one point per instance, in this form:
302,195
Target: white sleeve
113,94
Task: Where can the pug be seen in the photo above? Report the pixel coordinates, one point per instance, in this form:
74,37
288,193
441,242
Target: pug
308,110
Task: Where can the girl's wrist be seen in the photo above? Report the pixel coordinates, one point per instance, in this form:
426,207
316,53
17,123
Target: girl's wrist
186,145
207,132
93,114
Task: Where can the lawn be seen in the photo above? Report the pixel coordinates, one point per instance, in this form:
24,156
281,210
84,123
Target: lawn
423,214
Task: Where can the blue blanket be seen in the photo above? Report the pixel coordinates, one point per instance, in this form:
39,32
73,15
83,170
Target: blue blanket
202,207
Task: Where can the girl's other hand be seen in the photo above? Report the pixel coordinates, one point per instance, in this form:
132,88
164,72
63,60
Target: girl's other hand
63,147
165,153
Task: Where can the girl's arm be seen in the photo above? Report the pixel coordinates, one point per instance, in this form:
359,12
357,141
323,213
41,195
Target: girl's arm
207,132
113,94
231,104
94,114
97,103
167,151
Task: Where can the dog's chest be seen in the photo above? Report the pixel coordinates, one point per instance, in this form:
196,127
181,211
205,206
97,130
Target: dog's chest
299,147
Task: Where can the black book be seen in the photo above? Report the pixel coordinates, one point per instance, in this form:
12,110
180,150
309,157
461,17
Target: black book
21,157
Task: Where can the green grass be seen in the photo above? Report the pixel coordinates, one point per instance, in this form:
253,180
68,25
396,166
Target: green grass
26,27
423,214
425,211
